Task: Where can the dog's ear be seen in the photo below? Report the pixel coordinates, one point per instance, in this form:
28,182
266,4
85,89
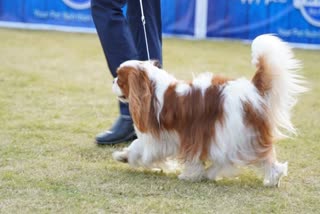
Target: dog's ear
139,98
156,63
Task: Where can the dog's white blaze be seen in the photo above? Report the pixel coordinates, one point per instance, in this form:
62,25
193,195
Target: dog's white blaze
132,63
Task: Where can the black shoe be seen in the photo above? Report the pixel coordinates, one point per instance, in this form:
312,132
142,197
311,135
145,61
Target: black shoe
121,131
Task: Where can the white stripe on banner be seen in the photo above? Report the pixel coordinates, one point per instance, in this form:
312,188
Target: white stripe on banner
31,26
201,14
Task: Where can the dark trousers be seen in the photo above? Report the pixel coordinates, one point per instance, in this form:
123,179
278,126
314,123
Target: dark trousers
122,38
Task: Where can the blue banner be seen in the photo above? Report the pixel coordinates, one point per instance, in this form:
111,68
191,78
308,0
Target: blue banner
296,21
74,13
178,17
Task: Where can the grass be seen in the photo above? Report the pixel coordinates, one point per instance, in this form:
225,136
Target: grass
55,96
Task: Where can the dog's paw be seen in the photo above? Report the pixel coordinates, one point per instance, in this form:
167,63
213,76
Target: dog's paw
121,156
279,170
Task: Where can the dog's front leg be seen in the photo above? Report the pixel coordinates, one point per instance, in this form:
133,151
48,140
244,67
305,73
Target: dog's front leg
121,156
131,154
193,171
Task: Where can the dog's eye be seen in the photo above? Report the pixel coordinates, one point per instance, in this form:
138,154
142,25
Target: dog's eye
120,82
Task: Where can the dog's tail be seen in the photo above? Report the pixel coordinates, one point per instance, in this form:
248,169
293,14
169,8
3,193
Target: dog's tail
277,80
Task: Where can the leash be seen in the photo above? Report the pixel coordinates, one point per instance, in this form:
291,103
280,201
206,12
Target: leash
144,29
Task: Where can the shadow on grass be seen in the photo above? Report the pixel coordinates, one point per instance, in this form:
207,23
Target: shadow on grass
244,180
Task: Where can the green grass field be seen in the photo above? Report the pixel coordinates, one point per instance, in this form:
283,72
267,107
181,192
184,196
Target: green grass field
55,96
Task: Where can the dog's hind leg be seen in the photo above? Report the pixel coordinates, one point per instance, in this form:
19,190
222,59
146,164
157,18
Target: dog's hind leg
274,171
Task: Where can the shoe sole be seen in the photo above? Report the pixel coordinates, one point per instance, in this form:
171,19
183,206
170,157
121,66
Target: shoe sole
131,137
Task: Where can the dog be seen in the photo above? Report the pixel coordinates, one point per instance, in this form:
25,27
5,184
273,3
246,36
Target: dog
227,123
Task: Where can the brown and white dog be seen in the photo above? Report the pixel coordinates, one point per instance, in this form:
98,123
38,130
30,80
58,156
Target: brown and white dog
225,122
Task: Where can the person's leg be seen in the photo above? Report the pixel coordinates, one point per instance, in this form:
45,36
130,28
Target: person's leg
114,32
118,46
152,12
121,43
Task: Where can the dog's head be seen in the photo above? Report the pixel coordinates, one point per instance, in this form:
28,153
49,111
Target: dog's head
132,82
134,86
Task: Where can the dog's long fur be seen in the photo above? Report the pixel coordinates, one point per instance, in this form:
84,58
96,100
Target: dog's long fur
228,123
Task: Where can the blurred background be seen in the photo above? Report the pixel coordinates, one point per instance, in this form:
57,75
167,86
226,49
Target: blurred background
296,21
